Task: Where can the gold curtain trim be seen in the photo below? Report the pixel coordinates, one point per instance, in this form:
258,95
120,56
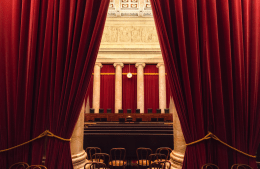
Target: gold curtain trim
211,135
127,73
45,133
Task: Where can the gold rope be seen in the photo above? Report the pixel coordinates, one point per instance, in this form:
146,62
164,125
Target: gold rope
45,133
211,135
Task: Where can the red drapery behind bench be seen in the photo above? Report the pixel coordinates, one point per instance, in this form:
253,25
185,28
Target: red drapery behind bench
107,88
129,98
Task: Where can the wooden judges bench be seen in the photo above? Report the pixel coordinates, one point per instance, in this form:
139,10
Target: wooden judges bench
135,117
129,135
128,130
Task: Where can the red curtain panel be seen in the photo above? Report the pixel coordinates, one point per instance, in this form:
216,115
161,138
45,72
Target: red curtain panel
107,88
129,97
48,50
212,57
151,89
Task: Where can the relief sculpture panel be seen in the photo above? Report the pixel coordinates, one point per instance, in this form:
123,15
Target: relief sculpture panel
130,34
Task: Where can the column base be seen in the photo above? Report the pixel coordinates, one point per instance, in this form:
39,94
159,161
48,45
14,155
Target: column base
176,160
79,160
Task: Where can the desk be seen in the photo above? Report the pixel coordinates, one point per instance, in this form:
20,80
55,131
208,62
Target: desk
115,117
130,135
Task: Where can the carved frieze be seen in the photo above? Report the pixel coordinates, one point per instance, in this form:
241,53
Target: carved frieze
130,34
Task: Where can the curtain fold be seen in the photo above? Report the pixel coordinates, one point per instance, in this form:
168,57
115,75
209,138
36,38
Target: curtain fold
151,89
107,89
210,49
48,50
129,89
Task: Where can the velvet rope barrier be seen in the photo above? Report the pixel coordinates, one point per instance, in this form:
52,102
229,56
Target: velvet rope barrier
211,135
45,133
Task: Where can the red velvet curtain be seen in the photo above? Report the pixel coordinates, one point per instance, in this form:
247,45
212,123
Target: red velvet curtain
48,50
107,88
212,57
129,98
151,88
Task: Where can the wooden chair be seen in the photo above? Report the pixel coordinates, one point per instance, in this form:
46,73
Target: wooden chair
143,157
95,165
36,167
164,150
19,165
160,165
209,166
241,166
101,158
92,150
117,158
157,157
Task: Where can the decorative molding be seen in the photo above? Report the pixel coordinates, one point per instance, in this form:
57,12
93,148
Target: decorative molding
147,74
130,34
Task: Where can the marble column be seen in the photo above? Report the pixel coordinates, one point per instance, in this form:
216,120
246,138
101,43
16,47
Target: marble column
162,87
140,86
177,155
118,86
87,109
78,154
96,87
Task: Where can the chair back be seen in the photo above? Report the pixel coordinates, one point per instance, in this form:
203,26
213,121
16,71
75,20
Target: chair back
241,166
117,157
92,150
36,167
95,165
19,165
143,156
160,165
157,157
101,158
209,166
164,150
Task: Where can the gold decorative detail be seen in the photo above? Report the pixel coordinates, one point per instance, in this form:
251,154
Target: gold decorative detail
151,74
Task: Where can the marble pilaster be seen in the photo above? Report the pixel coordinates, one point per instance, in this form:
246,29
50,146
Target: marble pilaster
162,87
140,86
78,154
118,86
96,87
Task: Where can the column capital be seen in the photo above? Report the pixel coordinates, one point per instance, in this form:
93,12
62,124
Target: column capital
99,64
159,65
120,64
140,64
